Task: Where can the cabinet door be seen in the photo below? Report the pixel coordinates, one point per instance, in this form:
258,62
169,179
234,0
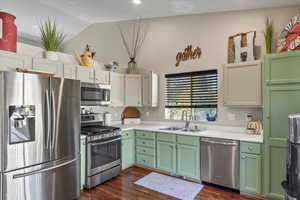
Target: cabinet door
280,101
133,90
242,84
44,65
150,90
250,174
154,89
82,162
117,81
10,61
128,153
69,71
85,74
101,77
146,82
166,156
188,161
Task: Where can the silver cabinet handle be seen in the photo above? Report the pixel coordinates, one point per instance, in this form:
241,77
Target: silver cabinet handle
43,170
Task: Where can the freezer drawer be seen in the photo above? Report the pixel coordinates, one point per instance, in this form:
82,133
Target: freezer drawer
55,182
220,162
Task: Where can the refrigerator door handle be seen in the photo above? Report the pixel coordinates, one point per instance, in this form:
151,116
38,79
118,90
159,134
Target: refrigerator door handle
44,170
48,120
53,110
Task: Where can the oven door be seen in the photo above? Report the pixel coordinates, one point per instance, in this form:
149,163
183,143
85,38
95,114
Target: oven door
103,155
95,94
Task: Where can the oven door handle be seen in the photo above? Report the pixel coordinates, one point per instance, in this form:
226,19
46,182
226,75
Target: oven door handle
106,142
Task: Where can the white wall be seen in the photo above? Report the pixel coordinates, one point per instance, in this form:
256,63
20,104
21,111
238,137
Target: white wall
169,35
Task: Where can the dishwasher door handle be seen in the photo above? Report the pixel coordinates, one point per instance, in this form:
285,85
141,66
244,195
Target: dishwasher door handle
221,143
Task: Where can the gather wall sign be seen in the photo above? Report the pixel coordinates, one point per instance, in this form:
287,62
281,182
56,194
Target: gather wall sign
188,54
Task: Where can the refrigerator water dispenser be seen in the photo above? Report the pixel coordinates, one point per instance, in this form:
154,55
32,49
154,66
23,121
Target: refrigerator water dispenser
22,124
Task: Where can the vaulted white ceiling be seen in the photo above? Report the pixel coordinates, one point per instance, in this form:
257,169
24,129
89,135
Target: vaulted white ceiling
75,15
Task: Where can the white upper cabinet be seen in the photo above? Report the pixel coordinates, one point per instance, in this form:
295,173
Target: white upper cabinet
150,89
69,71
101,77
44,65
242,84
85,74
133,90
117,96
10,61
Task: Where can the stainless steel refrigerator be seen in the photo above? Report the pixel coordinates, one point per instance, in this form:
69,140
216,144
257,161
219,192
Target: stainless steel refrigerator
291,185
40,131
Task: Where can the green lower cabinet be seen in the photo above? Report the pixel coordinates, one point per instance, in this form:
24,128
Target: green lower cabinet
128,151
166,156
188,161
250,174
146,160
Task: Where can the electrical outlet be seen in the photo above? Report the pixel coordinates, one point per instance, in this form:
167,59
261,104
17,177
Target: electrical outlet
231,116
248,117
147,114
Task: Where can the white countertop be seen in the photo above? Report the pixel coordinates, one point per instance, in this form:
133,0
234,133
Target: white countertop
222,132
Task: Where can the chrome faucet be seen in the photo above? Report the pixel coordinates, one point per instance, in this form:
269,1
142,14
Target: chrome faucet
187,121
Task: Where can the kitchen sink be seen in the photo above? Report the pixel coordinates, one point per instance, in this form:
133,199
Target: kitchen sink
171,128
191,130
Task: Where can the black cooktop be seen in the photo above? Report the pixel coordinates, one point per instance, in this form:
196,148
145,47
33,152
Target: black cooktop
97,129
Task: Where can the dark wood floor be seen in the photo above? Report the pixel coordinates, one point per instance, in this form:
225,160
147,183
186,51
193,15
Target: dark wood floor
123,188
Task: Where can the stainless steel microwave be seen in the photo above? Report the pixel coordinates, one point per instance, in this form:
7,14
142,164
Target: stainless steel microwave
95,94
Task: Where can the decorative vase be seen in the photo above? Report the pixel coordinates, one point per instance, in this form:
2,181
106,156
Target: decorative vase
132,68
51,55
8,36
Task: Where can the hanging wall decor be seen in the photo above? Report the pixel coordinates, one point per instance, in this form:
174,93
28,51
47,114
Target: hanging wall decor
8,35
289,39
241,47
188,54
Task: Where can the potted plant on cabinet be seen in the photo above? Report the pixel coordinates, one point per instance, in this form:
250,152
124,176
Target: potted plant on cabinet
51,39
268,34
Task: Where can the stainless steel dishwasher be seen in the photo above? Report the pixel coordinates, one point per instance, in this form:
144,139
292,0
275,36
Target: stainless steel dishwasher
220,163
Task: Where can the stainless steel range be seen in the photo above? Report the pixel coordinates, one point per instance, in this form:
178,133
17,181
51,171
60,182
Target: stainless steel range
103,150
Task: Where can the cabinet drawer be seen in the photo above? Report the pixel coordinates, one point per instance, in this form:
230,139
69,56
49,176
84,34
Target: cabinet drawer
145,150
145,134
166,137
127,134
248,147
145,143
189,140
146,160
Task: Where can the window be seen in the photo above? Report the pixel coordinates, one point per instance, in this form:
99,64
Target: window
194,92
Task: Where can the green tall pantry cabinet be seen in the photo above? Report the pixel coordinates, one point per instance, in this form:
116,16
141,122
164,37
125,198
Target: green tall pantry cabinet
281,98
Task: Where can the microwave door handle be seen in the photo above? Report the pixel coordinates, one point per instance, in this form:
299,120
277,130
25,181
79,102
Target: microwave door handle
48,117
106,142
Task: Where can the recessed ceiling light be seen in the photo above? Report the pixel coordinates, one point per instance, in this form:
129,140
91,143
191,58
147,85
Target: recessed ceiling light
137,2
